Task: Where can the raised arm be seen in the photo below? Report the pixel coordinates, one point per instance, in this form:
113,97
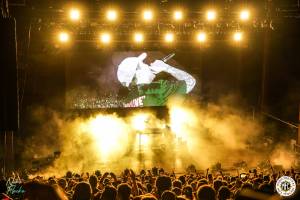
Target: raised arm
158,66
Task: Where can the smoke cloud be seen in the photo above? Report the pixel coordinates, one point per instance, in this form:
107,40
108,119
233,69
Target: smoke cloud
193,134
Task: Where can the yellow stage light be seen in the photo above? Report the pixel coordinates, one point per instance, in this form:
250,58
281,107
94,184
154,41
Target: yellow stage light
178,15
148,15
105,38
211,15
201,37
111,15
143,139
63,37
108,134
169,37
139,121
244,15
138,37
237,36
74,14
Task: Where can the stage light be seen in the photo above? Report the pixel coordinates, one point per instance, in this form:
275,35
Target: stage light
107,134
143,139
139,121
111,15
201,37
138,37
63,37
237,36
74,14
148,15
169,37
244,15
178,15
211,15
105,38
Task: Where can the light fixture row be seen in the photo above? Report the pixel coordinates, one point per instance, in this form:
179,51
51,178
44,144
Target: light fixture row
148,15
139,37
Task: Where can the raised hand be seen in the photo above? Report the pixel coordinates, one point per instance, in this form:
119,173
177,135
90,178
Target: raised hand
158,66
132,175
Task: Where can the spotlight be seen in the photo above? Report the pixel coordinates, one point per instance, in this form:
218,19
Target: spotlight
143,139
139,121
63,37
211,15
138,37
244,15
169,37
111,15
237,36
74,14
178,15
201,37
105,38
148,15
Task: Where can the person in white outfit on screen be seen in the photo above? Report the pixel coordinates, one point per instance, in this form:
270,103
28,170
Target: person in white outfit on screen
134,73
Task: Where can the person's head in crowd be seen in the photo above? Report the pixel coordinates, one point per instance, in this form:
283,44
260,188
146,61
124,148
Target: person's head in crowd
69,174
217,184
206,192
162,184
109,193
182,179
93,181
123,191
223,193
188,192
62,183
52,181
266,178
177,183
194,185
202,182
82,191
161,171
98,173
225,183
149,187
177,191
36,190
168,195
154,171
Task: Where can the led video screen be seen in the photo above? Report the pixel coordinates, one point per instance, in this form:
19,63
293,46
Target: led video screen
114,79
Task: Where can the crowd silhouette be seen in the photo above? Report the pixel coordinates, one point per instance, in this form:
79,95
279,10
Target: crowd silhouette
154,184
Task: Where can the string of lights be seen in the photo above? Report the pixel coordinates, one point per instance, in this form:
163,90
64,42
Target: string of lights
149,25
168,32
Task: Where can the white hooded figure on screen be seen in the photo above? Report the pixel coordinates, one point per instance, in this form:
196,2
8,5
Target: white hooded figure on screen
138,77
